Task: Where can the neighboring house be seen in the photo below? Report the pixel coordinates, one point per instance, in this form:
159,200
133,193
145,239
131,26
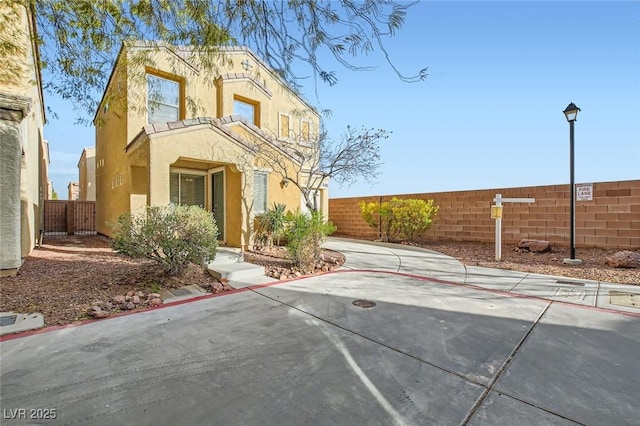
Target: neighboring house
87,175
158,153
73,191
24,156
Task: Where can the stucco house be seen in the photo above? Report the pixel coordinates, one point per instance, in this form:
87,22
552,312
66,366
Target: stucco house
24,153
87,175
157,151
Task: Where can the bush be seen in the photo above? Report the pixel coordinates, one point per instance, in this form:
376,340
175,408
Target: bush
407,218
269,226
413,217
305,234
173,236
379,216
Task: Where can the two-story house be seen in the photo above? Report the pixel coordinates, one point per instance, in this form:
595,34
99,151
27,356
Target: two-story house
87,175
158,151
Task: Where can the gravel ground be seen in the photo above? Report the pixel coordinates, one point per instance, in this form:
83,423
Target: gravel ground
66,275
551,263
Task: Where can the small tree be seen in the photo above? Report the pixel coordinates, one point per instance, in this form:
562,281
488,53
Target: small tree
173,236
379,216
305,234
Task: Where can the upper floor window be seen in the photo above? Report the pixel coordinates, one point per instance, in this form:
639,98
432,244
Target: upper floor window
163,100
247,108
305,130
284,126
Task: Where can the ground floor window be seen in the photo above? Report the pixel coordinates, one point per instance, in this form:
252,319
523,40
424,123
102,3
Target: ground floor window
260,180
187,189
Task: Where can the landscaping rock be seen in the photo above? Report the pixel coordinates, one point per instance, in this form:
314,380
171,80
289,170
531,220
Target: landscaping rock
534,246
118,300
135,300
155,302
217,288
154,296
129,305
97,312
624,259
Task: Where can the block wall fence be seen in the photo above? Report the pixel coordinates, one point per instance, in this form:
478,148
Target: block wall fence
610,220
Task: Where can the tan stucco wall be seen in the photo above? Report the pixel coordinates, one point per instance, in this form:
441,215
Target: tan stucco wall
24,83
111,160
87,175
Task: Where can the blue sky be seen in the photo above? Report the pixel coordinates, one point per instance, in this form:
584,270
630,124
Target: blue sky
490,113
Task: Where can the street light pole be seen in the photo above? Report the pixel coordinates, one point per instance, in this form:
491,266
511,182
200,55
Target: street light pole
571,112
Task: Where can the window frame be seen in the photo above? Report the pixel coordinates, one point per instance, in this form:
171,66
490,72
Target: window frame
181,172
265,174
179,81
282,115
248,101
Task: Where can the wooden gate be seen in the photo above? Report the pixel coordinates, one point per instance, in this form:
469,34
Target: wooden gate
63,217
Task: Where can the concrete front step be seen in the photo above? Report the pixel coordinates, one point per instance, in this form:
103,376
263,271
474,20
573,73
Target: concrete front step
237,271
227,255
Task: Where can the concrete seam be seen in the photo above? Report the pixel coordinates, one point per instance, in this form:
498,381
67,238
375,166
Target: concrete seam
518,283
459,375
504,366
595,299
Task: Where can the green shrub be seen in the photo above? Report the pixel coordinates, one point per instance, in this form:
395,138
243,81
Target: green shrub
379,216
305,234
269,226
173,236
406,218
413,217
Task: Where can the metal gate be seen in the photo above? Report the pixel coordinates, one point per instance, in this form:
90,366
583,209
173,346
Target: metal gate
63,217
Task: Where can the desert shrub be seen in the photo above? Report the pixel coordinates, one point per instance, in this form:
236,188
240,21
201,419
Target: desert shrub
269,226
173,236
413,217
305,234
406,218
379,216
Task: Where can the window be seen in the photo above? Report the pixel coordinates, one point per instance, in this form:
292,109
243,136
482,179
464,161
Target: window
260,180
247,108
284,126
305,130
163,100
187,189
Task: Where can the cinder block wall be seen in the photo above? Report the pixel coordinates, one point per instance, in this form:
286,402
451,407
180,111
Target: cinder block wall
610,220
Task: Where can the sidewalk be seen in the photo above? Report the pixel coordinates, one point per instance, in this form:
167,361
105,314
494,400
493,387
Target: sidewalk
367,255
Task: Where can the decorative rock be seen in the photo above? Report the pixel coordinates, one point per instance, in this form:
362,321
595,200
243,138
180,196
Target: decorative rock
131,293
135,300
624,259
217,288
97,312
108,306
128,306
131,281
154,296
139,293
534,246
155,302
118,300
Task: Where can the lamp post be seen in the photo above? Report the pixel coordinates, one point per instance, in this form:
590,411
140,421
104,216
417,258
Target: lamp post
571,112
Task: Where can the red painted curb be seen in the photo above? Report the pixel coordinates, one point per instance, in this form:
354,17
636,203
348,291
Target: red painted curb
7,337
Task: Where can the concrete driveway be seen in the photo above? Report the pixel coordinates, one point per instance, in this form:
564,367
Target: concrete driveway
466,346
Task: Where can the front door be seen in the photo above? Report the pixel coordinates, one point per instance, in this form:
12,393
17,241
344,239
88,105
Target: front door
217,199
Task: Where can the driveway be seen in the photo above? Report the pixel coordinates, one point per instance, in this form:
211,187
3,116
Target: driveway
444,344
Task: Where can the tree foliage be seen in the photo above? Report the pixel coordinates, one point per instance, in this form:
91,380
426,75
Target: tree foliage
80,39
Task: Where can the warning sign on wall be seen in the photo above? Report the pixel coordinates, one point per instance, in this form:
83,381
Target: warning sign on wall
584,192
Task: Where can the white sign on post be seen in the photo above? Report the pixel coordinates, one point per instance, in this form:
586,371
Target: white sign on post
584,192
498,217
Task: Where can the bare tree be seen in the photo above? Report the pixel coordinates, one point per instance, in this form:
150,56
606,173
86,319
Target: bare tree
318,158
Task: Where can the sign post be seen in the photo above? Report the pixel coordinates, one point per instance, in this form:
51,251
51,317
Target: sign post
496,213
